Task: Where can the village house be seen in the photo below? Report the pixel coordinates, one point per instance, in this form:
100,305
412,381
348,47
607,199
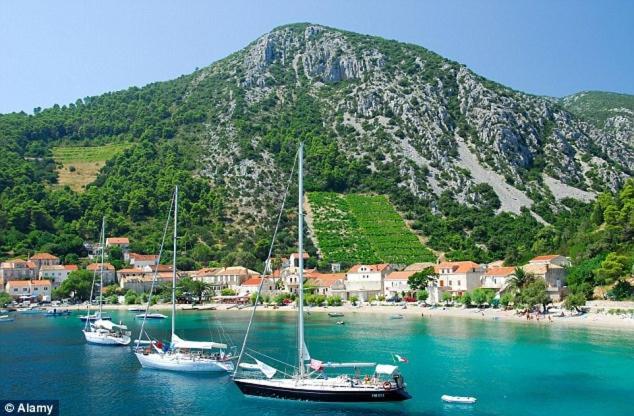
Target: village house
17,269
417,267
290,272
252,285
57,273
109,274
142,260
396,284
551,259
328,284
497,277
225,277
30,289
554,276
366,281
123,243
44,259
142,281
459,276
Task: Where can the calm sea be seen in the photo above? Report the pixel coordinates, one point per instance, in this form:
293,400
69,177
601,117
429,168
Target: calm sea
513,369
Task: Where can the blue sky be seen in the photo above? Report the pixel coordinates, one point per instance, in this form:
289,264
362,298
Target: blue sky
58,51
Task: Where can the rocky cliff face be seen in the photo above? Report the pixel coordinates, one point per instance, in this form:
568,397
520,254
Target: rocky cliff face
382,102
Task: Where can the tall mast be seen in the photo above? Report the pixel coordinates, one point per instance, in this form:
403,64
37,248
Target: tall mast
174,261
103,248
300,322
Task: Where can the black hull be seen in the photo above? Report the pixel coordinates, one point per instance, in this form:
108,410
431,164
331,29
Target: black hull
393,395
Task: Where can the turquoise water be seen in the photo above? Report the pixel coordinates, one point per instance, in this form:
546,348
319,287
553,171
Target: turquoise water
513,369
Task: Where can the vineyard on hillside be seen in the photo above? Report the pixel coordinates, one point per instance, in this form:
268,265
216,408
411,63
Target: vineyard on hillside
358,228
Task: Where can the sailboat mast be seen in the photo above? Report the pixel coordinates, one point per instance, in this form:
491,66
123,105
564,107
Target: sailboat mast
174,261
300,278
103,248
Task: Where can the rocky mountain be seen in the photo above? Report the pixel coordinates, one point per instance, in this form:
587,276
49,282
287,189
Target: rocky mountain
609,111
477,167
379,102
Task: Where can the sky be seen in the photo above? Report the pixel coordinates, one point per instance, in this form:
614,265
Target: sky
54,52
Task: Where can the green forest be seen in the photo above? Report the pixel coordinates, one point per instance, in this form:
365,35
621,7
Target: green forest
161,131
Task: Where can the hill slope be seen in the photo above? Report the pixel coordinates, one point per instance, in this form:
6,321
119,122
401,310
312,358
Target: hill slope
454,151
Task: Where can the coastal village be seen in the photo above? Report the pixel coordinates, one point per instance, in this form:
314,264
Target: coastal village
34,279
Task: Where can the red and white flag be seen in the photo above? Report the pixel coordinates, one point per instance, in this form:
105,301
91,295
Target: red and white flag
316,365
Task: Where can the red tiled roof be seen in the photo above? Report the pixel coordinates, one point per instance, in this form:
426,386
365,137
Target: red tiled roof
43,256
456,266
545,258
19,283
254,281
117,240
500,271
43,282
95,266
404,275
143,257
71,267
371,267
130,271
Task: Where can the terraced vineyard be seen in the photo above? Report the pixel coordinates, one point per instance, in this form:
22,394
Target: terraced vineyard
77,166
358,228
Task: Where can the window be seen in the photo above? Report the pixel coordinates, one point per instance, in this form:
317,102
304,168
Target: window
450,283
15,290
458,282
45,288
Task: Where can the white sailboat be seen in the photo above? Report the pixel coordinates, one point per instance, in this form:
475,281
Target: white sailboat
100,330
181,355
309,381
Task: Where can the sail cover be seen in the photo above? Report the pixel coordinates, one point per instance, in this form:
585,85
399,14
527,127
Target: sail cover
100,323
177,342
385,369
268,371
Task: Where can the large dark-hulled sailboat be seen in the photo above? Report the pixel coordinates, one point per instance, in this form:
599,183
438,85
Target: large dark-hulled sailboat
308,380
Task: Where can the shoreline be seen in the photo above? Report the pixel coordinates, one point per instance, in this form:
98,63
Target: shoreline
588,320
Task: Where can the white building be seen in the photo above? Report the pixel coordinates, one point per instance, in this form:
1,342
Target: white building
109,273
57,273
459,276
396,284
17,269
328,284
366,280
225,277
497,277
248,287
30,289
142,260
551,259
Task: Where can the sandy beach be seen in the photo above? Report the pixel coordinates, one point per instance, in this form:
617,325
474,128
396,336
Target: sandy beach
596,318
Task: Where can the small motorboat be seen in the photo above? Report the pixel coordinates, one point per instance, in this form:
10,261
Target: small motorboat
151,316
341,323
57,312
6,318
335,314
137,308
95,317
458,399
397,316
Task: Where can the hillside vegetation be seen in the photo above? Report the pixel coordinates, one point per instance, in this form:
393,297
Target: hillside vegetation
357,228
449,149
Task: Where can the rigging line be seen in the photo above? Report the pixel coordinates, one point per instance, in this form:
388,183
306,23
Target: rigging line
283,372
92,288
267,263
269,357
147,307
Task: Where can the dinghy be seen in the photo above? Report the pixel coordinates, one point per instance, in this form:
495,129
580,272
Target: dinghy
335,314
6,318
151,316
458,399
